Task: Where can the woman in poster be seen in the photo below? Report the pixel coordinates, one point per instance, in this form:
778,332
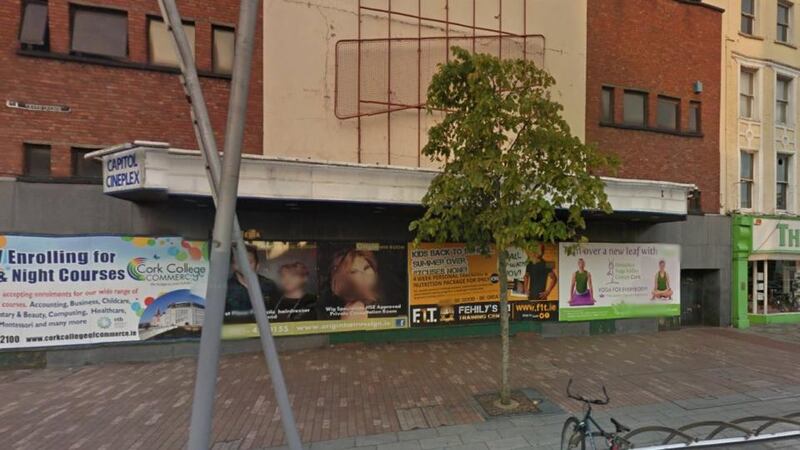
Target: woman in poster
355,283
661,287
581,289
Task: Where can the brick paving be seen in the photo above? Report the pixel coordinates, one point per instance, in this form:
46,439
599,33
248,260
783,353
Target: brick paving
781,332
354,395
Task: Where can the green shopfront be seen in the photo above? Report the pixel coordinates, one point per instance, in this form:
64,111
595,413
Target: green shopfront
766,270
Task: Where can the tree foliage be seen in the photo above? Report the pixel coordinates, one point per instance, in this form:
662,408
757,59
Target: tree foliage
510,161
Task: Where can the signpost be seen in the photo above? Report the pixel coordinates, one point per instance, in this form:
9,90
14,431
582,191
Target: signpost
224,186
37,107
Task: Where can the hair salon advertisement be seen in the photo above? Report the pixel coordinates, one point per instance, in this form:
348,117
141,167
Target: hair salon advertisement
610,281
321,287
89,289
448,284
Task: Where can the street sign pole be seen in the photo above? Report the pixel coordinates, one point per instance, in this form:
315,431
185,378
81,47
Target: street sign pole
223,183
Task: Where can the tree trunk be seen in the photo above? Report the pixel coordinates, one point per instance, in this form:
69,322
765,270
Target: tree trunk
505,389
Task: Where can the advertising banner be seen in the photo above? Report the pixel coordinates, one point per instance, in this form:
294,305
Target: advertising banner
321,287
611,281
533,283
450,285
90,289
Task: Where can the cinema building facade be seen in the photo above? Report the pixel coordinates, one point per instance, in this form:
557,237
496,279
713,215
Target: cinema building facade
337,175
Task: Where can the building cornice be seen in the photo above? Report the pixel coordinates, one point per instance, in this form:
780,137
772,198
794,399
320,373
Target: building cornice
765,62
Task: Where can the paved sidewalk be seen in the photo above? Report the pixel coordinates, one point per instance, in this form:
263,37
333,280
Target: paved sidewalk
543,432
366,395
781,332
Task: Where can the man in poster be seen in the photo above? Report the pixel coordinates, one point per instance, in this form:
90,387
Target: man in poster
237,299
296,304
540,276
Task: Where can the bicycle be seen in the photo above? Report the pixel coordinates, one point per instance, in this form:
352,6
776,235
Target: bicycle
577,432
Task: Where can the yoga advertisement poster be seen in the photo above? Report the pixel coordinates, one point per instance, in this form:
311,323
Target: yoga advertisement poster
449,284
612,281
72,290
320,287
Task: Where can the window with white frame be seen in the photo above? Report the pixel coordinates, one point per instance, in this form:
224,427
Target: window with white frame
746,179
747,93
782,175
748,25
784,30
783,87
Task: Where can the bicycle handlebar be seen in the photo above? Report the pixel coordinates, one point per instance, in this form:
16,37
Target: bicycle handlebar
583,399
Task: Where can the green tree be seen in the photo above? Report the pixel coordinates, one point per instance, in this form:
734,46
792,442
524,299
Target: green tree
513,175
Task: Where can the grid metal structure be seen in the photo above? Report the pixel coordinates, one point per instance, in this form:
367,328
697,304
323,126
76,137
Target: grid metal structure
387,74
719,433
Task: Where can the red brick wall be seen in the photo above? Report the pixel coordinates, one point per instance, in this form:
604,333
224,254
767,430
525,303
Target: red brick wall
663,47
112,105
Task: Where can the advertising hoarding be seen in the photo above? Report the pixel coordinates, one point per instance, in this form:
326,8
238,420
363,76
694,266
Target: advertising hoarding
612,281
92,289
321,287
450,285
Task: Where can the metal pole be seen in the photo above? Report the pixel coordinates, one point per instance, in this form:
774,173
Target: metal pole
754,291
358,87
765,305
202,413
208,359
389,87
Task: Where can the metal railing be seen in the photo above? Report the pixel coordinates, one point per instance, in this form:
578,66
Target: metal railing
687,436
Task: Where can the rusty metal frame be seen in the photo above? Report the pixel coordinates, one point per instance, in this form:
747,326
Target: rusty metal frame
392,106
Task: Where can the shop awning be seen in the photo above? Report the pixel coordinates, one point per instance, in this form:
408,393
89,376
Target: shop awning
145,170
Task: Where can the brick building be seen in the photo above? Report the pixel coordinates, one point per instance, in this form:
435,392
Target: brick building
106,74
653,99
653,90
341,113
341,157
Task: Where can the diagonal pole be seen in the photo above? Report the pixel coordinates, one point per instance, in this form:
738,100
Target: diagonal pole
223,183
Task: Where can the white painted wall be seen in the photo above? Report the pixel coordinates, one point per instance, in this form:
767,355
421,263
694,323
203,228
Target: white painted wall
300,70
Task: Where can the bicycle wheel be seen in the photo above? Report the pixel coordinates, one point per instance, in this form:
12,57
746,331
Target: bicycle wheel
572,435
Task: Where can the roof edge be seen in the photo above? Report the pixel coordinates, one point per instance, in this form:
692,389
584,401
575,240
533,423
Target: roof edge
702,4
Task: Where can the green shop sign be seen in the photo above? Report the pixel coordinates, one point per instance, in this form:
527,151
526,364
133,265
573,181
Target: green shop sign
775,235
